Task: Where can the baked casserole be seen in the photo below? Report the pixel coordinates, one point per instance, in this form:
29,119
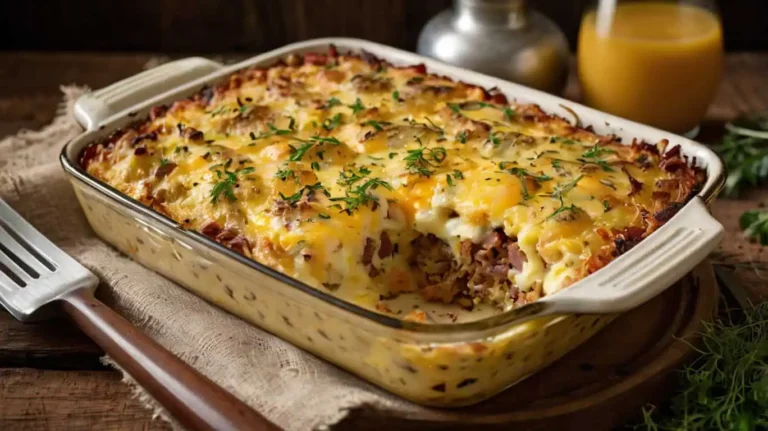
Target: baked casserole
370,181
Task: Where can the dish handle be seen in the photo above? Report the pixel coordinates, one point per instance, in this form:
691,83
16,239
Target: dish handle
648,268
96,106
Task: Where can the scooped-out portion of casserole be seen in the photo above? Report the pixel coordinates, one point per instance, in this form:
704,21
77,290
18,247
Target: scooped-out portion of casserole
369,181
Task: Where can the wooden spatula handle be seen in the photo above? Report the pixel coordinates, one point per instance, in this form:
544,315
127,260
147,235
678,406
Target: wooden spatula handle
193,400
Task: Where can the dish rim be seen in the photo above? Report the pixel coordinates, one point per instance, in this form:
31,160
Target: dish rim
712,186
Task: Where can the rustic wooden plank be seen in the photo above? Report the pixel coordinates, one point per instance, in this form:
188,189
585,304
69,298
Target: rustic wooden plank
35,400
54,344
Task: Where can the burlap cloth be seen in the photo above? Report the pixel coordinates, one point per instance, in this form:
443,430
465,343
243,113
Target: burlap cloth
294,389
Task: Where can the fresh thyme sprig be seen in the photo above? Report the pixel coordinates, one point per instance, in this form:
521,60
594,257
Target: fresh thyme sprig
423,161
226,181
361,196
523,175
595,156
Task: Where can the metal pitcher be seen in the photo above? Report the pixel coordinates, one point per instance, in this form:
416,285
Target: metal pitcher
503,38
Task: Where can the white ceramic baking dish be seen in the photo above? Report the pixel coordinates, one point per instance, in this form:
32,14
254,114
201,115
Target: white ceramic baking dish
443,364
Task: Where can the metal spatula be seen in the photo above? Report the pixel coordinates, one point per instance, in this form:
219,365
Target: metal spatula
35,273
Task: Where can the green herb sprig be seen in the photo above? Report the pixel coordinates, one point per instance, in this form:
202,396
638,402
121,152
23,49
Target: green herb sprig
361,196
226,181
595,156
523,175
423,161
726,388
746,160
754,223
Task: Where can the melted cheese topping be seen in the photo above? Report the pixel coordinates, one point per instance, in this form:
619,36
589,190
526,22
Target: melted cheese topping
329,169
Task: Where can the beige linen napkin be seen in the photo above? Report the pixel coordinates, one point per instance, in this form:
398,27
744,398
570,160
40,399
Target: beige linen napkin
291,387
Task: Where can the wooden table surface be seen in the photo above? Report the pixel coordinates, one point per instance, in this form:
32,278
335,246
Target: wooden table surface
50,374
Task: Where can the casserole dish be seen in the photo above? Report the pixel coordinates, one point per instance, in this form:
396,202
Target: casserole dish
443,364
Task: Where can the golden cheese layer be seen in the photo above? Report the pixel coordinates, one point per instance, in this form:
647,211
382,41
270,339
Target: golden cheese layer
370,180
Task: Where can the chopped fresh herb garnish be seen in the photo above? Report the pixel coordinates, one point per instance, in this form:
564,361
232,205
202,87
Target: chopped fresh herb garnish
226,182
435,127
462,137
357,107
243,109
474,105
360,195
556,163
291,123
164,161
298,153
324,216
455,108
273,131
523,175
597,152
509,113
494,138
594,156
315,166
561,190
348,176
375,158
514,170
332,123
310,191
375,124
284,174
396,96
564,141
606,206
423,160
330,103
456,174
562,209
392,155
324,140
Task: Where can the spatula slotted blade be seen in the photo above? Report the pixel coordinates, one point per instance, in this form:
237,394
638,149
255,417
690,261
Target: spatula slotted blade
33,270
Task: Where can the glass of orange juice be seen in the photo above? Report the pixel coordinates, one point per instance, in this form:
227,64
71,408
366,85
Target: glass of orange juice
656,62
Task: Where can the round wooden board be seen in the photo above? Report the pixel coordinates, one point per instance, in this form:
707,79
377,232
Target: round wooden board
602,384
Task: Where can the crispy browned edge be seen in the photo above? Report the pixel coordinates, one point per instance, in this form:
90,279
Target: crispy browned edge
670,160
